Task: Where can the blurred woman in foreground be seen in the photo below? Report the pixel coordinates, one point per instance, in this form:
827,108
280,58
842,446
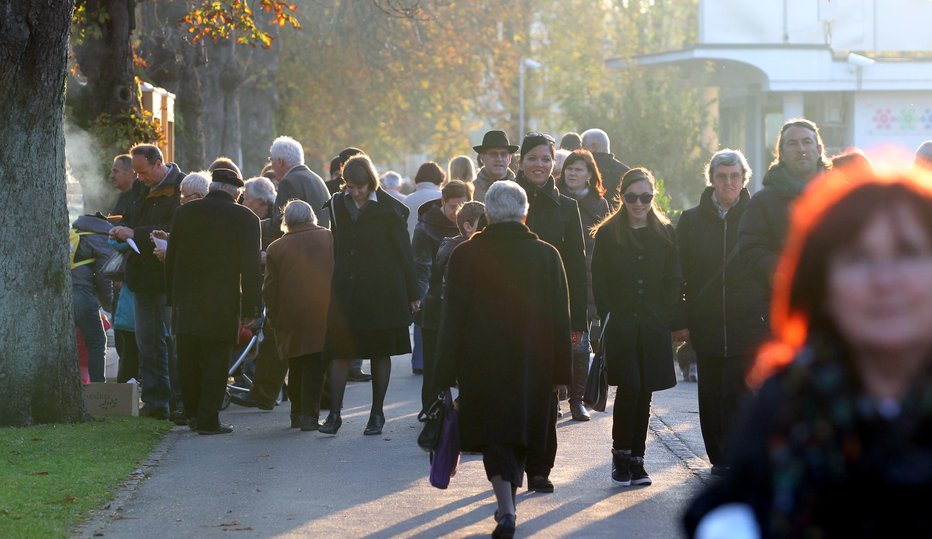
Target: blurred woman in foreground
838,442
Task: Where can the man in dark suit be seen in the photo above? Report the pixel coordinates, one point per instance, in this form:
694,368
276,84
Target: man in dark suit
295,181
212,278
611,169
153,210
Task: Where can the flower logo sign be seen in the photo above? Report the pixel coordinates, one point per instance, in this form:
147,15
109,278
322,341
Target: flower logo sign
905,120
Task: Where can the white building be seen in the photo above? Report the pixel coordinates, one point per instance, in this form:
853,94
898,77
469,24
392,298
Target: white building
861,69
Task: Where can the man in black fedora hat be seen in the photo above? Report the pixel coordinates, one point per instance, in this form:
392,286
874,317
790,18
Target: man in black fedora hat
494,155
212,281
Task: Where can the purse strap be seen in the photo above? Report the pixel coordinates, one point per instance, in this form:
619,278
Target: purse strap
721,268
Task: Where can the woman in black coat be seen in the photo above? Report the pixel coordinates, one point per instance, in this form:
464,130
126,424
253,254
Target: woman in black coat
505,337
555,219
721,311
581,181
637,287
838,441
437,222
374,289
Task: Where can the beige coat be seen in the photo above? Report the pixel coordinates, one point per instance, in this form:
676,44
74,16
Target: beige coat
298,270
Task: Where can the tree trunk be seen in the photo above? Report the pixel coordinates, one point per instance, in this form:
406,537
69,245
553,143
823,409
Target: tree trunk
39,378
107,86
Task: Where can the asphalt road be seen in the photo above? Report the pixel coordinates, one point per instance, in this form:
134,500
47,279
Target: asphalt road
266,480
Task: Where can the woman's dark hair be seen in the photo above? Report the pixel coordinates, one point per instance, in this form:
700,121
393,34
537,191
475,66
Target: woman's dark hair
533,140
571,141
617,221
360,171
430,172
830,216
595,179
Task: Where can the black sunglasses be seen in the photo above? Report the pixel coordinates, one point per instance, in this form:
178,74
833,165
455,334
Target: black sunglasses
535,134
645,198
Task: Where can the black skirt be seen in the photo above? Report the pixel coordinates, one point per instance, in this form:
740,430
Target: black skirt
357,343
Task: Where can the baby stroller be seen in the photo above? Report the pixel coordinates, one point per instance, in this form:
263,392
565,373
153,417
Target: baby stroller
239,378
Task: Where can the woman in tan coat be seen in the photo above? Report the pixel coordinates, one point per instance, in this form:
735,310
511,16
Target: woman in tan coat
298,270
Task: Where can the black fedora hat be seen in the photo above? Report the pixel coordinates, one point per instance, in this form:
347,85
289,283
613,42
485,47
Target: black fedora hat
495,139
226,175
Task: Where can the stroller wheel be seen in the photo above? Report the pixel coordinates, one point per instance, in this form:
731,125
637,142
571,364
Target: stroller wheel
226,400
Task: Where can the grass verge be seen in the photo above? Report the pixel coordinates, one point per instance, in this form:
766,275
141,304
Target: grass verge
52,476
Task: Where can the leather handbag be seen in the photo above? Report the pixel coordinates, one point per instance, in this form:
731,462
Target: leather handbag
433,424
445,459
596,392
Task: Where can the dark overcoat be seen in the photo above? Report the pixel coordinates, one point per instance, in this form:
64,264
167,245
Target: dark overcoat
611,171
212,268
505,336
153,210
725,320
555,219
432,228
373,274
300,183
641,286
592,209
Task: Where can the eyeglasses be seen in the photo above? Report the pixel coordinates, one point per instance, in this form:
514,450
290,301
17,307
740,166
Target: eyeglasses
535,134
645,198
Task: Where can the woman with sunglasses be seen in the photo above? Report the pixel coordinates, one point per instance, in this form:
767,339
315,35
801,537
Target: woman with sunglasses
637,286
555,220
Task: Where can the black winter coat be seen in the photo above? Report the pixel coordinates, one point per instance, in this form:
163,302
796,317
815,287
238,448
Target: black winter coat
154,210
725,321
555,219
611,171
94,245
432,228
505,336
641,286
126,200
592,209
374,281
814,457
212,268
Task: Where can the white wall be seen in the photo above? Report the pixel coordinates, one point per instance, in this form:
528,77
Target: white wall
899,25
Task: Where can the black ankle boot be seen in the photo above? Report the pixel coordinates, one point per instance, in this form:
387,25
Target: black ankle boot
332,425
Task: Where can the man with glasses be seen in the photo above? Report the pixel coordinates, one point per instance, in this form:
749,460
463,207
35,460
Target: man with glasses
494,155
145,275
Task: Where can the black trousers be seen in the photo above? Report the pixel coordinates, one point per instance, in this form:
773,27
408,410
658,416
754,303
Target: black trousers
305,383
540,459
428,391
722,391
203,365
129,355
631,410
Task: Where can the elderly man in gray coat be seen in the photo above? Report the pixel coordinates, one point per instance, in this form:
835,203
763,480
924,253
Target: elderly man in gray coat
296,181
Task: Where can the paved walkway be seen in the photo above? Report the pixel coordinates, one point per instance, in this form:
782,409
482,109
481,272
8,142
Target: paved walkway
266,480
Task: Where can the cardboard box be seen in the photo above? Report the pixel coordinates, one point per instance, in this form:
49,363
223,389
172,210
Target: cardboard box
112,399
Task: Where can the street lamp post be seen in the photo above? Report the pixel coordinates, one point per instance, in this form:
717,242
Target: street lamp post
522,67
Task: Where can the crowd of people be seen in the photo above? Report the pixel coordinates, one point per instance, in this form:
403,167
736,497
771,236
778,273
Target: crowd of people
807,305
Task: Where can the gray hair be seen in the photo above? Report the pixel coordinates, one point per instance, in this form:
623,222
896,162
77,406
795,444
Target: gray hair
505,202
727,157
288,150
297,212
924,154
231,190
261,188
596,140
196,183
559,157
391,181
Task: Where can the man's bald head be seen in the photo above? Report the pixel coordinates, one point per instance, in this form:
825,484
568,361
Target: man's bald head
596,140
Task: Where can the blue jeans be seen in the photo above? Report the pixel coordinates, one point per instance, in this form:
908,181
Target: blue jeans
417,353
152,321
87,318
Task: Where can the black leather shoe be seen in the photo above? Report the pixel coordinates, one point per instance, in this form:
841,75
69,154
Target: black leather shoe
154,413
506,527
356,375
219,429
309,423
539,483
247,401
374,427
579,412
177,417
331,425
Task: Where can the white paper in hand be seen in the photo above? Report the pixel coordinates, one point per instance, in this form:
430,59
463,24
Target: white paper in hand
132,243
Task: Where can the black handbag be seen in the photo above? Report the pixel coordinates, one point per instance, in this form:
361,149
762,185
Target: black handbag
596,393
433,425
